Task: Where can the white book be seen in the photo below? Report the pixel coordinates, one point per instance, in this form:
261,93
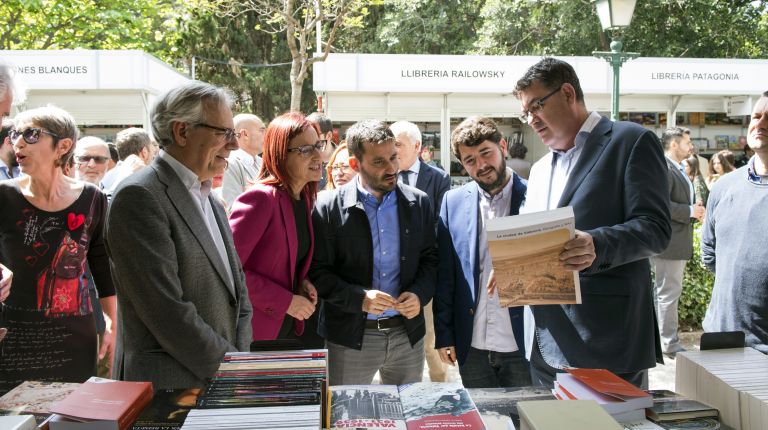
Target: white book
525,250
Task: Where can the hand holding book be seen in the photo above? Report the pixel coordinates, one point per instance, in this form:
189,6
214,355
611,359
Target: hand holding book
579,252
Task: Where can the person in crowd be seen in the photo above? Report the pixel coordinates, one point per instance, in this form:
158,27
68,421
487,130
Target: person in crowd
134,147
718,166
733,241
272,227
245,163
611,174
428,154
182,313
516,160
700,190
434,182
114,157
669,266
9,167
10,89
326,133
374,265
338,167
50,226
90,160
471,326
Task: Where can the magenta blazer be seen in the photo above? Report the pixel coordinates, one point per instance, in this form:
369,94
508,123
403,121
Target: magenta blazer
264,231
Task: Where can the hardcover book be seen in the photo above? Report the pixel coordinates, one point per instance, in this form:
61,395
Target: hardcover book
668,405
525,250
167,410
35,397
116,403
558,415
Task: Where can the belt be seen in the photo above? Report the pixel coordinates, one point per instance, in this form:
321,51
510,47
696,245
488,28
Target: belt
384,324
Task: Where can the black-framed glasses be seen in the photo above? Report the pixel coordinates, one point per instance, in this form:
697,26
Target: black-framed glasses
229,133
537,106
85,159
306,150
339,167
30,135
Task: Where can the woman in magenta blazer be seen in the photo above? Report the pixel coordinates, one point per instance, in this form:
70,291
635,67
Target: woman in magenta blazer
272,228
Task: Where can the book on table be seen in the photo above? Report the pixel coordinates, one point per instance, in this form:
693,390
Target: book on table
618,397
525,252
168,409
559,415
668,406
18,422
418,406
498,406
35,398
102,403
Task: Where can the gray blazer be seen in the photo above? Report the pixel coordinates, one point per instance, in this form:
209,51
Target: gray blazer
178,311
681,245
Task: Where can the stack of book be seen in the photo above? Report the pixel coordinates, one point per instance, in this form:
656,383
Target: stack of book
735,381
498,406
622,400
418,406
264,390
104,403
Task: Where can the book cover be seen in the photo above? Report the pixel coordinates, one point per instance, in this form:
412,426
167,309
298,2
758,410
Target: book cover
668,405
369,407
167,410
497,406
35,397
694,424
525,250
606,382
428,405
100,399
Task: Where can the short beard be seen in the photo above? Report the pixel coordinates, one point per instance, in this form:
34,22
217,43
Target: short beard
501,176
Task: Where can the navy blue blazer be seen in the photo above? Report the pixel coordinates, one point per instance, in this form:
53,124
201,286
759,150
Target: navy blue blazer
457,289
435,183
619,193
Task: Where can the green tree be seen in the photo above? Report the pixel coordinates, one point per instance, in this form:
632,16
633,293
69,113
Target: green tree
149,25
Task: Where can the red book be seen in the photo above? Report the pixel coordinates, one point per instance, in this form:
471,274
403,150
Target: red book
608,383
114,402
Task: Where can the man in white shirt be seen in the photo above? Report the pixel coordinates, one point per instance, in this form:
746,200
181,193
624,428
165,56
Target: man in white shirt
245,163
471,327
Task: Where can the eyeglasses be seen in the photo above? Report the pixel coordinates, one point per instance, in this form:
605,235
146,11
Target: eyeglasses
537,106
343,168
30,135
306,150
229,133
85,159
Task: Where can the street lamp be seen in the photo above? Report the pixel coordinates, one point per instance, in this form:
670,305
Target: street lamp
615,16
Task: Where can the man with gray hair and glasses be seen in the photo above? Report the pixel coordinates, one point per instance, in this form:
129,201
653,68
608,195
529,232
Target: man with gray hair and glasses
182,313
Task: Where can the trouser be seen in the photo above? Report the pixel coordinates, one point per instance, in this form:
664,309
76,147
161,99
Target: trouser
437,371
544,375
388,352
666,293
492,369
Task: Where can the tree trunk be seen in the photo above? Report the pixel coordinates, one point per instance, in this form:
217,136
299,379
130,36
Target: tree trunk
297,81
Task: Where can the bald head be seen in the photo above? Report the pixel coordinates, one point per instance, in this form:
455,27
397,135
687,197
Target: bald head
251,130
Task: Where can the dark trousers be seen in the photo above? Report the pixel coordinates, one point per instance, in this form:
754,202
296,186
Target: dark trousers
544,375
491,369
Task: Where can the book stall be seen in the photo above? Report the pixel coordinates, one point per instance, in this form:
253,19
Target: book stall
720,389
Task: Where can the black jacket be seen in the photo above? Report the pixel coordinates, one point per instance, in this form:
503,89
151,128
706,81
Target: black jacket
342,264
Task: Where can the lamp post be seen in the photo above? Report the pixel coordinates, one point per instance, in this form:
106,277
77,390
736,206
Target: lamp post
615,16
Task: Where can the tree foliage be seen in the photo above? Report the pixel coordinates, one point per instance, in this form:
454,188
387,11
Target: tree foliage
149,25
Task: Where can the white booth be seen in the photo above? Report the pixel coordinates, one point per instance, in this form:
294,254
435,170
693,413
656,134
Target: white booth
105,91
709,96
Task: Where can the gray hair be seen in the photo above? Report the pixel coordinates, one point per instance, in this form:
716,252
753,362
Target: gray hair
57,121
369,131
552,73
8,80
131,141
92,140
410,129
241,119
184,104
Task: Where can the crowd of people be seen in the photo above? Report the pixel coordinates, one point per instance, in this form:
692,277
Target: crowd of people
216,233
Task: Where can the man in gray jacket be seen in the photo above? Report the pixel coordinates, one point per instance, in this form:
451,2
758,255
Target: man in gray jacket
182,297
669,266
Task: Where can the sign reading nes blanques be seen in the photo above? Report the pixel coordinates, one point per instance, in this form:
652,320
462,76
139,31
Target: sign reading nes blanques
55,69
495,74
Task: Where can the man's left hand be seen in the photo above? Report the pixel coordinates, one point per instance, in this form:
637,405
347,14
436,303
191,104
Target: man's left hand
408,304
309,291
107,348
579,252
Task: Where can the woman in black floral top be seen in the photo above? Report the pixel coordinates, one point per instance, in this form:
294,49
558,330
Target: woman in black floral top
50,226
